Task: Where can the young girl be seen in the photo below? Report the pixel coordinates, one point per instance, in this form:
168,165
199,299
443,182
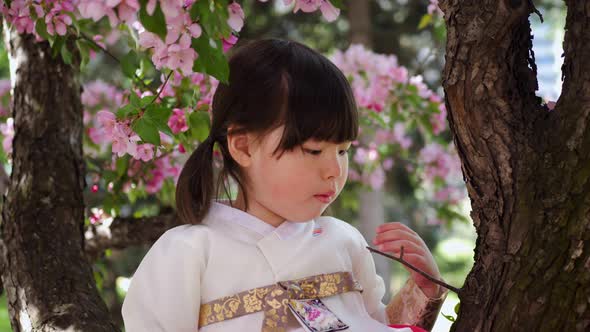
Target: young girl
269,260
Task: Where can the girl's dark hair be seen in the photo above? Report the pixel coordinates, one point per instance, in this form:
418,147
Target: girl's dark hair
272,82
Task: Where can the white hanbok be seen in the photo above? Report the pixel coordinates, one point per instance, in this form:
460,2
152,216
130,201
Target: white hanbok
233,251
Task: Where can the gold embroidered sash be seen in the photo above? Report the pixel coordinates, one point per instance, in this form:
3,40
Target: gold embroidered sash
273,299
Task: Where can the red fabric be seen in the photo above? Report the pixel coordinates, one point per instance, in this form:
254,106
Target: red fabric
414,328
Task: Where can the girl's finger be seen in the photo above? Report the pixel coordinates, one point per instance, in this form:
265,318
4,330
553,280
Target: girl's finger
395,235
394,226
389,225
395,247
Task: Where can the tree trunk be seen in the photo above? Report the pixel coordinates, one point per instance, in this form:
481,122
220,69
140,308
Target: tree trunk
527,169
359,18
371,215
49,283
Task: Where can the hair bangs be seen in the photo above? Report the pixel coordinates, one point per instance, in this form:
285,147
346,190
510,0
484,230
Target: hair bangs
320,104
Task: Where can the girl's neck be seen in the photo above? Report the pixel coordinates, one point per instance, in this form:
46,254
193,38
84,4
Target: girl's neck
257,210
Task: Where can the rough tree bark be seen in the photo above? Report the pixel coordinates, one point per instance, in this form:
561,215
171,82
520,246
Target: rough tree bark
527,168
48,282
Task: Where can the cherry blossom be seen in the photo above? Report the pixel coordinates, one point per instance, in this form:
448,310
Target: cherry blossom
236,16
177,121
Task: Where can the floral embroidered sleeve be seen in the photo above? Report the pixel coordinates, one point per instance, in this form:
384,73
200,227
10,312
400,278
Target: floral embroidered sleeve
410,306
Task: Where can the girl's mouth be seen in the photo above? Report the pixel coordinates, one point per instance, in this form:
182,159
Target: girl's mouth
323,198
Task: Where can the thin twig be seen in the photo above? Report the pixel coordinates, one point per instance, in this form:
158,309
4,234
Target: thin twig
107,52
426,275
161,88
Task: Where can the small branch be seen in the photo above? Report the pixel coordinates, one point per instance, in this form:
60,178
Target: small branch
161,88
126,232
107,52
536,11
426,275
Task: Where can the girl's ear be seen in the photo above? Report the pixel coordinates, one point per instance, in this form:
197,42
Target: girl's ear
239,144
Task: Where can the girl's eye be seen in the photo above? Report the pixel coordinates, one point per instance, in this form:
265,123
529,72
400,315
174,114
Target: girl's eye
313,152
318,152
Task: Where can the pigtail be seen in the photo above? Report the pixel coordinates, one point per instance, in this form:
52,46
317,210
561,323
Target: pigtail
195,187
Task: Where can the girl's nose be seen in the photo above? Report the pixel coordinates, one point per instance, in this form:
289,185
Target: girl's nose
333,167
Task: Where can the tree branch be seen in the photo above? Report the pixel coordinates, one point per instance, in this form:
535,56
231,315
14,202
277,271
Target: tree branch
573,107
125,232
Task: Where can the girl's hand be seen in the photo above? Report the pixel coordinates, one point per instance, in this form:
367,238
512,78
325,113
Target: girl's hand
392,236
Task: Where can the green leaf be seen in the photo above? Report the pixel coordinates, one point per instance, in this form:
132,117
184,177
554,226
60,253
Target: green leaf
159,116
211,60
155,23
130,63
58,43
84,53
122,165
212,16
147,130
338,4
147,100
126,110
74,22
41,29
134,99
451,318
199,125
425,21
457,307
66,55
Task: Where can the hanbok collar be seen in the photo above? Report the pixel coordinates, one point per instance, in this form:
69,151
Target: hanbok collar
284,231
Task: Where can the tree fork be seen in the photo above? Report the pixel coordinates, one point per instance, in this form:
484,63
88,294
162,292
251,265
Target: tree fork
48,281
530,194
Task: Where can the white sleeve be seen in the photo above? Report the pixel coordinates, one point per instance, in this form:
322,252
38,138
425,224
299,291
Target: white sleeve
373,286
164,294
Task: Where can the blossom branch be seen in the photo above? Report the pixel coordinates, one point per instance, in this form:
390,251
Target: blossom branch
111,55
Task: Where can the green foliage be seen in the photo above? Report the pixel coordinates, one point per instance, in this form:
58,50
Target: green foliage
154,119
199,125
4,318
211,59
130,63
212,16
155,23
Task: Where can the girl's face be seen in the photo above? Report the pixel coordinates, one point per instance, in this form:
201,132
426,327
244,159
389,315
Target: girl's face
300,184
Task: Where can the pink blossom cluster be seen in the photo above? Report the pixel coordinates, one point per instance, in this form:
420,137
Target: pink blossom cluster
433,8
329,12
115,10
442,164
396,136
374,167
20,16
7,130
438,120
125,141
96,96
99,93
375,179
374,76
204,84
163,169
56,14
98,216
119,134
175,52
